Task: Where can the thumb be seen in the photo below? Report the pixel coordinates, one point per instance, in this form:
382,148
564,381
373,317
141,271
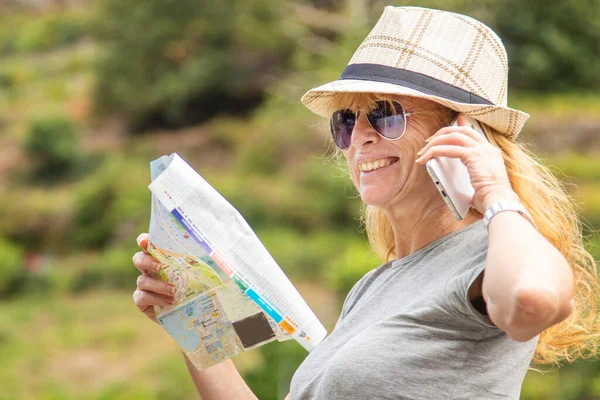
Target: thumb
142,241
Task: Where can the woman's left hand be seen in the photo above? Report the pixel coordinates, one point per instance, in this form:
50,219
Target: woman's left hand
483,161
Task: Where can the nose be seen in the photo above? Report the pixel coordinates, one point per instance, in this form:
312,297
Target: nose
363,133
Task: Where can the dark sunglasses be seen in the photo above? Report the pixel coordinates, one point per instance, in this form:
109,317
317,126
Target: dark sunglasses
388,119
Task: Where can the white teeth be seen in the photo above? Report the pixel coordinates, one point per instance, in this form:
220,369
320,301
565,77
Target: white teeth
373,165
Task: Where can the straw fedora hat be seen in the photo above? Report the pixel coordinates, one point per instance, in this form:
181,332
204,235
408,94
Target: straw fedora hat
437,55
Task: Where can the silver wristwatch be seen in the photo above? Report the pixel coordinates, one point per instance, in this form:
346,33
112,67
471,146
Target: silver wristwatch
506,205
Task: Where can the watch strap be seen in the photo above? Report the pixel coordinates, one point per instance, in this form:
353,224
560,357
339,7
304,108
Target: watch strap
506,205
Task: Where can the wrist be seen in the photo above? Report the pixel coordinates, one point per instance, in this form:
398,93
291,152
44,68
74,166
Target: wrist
503,205
495,197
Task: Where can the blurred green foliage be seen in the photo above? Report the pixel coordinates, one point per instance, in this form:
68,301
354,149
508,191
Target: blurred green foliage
350,265
88,347
52,144
10,267
569,164
167,63
113,269
35,218
306,256
111,204
175,73
23,34
552,45
100,71
270,380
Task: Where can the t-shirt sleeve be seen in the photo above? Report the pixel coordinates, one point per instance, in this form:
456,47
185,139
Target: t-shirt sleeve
355,293
350,299
457,289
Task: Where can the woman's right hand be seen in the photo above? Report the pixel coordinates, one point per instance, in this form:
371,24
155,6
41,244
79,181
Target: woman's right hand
150,291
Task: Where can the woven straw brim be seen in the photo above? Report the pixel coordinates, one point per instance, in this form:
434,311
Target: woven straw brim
505,120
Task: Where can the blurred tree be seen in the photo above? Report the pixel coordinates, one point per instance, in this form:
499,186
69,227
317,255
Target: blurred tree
553,45
172,63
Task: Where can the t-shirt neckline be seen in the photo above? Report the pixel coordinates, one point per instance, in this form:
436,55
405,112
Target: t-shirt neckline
406,259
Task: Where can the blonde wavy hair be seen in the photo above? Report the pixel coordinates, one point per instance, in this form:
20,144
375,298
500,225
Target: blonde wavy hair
554,212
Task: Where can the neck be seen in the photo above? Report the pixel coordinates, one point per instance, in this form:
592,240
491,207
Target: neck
418,224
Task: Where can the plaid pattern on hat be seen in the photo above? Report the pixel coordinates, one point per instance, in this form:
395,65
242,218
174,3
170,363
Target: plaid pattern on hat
437,55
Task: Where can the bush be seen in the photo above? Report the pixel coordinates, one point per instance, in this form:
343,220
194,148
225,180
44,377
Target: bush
52,145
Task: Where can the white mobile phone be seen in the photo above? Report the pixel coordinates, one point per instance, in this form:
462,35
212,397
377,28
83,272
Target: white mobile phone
452,180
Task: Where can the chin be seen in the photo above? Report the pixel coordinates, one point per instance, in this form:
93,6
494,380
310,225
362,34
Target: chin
376,197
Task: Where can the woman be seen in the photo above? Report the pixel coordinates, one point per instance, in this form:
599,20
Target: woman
460,308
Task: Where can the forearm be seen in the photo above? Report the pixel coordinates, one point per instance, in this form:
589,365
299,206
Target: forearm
221,381
528,284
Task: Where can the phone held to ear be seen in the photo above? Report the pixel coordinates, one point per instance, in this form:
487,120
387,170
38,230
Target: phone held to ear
452,180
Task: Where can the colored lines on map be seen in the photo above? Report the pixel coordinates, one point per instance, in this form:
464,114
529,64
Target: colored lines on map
267,308
192,229
221,263
286,324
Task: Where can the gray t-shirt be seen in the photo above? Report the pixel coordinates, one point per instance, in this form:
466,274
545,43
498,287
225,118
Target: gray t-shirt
408,331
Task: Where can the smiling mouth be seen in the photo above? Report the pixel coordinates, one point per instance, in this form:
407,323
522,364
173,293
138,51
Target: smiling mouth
371,166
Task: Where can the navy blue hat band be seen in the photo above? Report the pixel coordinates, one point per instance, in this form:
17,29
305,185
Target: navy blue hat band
412,80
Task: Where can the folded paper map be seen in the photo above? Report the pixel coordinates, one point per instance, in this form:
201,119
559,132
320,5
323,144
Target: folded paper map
231,296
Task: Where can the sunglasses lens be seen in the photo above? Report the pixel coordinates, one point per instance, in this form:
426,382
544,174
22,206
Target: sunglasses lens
342,124
388,119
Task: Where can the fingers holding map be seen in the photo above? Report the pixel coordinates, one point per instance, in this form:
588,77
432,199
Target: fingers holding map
230,295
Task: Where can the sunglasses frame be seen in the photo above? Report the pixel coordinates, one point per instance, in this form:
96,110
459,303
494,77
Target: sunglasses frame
357,115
